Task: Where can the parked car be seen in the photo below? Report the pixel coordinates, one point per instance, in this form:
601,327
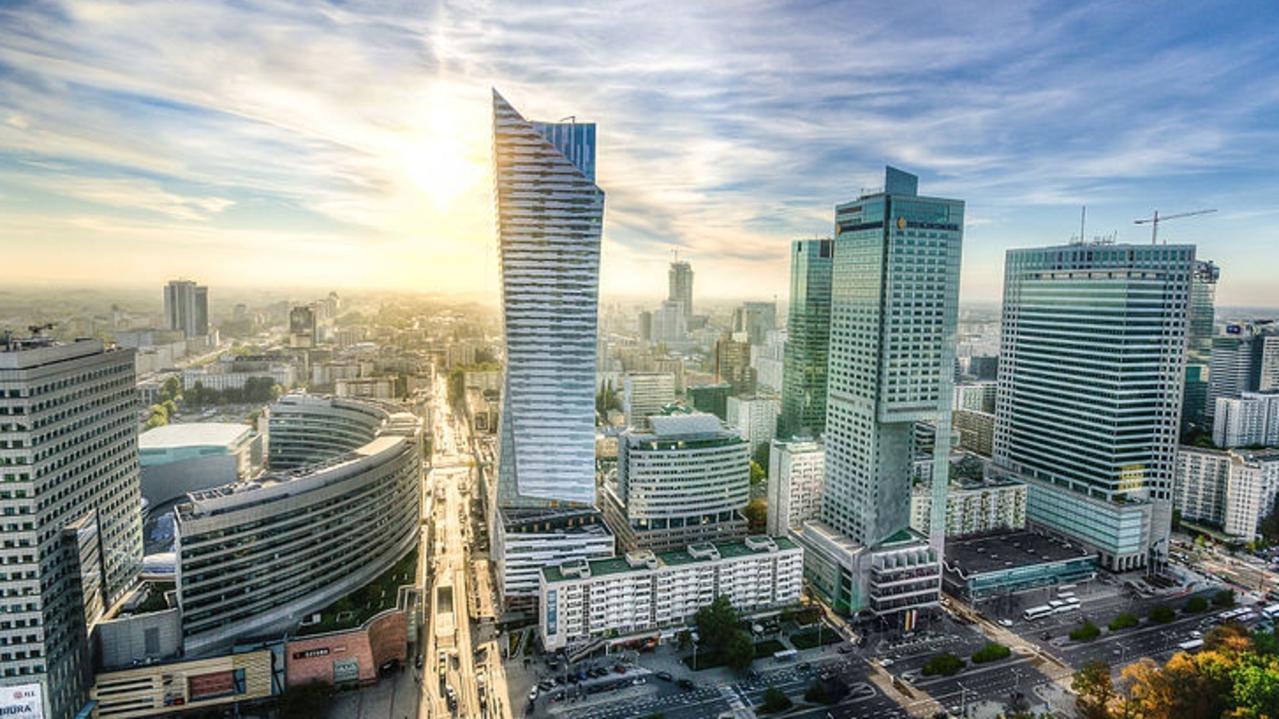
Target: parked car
804,666
684,684
664,676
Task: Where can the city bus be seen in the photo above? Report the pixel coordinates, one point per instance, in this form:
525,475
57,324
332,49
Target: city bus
1191,645
1034,613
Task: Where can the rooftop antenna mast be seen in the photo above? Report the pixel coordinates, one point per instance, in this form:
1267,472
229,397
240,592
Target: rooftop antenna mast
1155,219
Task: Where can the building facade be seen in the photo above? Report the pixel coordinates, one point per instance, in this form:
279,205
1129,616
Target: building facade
894,304
755,418
769,361
645,593
755,320
808,339
253,558
733,365
796,476
1228,490
1248,420
644,395
972,507
70,511
686,481
1199,332
181,458
1090,384
975,431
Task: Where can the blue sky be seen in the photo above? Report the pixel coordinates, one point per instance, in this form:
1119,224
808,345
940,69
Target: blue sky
346,144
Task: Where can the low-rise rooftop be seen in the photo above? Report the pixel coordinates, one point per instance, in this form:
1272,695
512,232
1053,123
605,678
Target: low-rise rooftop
703,552
194,434
1004,551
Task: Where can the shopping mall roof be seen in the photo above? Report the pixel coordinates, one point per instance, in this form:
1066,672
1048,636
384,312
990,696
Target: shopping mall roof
195,434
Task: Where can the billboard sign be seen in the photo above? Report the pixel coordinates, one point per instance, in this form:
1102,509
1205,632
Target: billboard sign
24,701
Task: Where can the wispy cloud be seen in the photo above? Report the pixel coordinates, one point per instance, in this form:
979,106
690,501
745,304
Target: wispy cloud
726,128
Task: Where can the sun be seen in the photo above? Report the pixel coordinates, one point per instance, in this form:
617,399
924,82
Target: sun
444,156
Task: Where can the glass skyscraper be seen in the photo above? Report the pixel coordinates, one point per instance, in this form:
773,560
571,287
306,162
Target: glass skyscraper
1091,367
1203,290
680,279
807,341
893,317
549,217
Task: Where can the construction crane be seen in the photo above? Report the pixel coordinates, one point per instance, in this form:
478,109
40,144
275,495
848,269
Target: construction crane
1154,221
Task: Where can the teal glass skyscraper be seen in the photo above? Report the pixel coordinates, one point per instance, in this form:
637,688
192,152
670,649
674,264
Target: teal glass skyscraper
1194,404
1090,372
894,311
807,341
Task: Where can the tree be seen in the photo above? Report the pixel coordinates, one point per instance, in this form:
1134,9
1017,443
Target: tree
1269,526
945,664
739,650
1093,690
304,702
1126,620
993,651
756,512
716,622
775,700
817,692
758,475
761,456
171,389
1224,598
684,639
1085,633
1162,614
1194,605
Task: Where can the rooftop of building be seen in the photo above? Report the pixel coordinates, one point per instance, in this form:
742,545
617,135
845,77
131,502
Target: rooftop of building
37,350
1007,550
194,434
366,602
680,425
693,554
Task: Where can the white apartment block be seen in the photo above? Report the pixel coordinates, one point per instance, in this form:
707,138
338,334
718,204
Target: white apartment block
643,592
755,418
1232,490
976,396
796,475
1248,420
767,359
972,507
644,395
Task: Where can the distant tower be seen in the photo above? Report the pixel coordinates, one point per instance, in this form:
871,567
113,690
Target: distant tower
808,340
186,308
681,285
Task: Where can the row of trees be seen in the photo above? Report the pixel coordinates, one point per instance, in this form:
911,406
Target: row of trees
1235,676
255,390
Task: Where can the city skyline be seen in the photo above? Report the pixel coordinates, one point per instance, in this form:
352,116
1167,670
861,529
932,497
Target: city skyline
149,142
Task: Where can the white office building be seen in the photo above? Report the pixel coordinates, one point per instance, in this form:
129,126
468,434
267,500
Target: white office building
685,481
1248,420
644,395
975,396
642,593
796,475
754,417
769,360
1227,489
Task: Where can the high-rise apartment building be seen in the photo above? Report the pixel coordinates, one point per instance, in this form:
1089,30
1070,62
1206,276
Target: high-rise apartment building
549,218
186,307
973,507
808,339
1248,420
796,475
644,395
680,278
1229,490
1090,375
1243,359
685,481
1203,290
670,322
769,361
894,304
70,511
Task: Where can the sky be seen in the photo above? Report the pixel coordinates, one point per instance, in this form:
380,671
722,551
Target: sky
347,144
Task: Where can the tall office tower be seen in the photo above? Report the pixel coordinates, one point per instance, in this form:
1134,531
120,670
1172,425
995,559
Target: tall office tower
644,395
1194,402
680,277
549,218
684,482
733,365
807,341
186,307
755,319
894,304
71,510
1089,401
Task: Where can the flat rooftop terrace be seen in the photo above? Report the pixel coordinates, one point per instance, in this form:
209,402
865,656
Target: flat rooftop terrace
993,553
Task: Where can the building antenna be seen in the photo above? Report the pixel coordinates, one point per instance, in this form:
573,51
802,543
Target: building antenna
1083,216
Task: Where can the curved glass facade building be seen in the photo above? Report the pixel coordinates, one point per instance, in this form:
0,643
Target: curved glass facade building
255,557
549,217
